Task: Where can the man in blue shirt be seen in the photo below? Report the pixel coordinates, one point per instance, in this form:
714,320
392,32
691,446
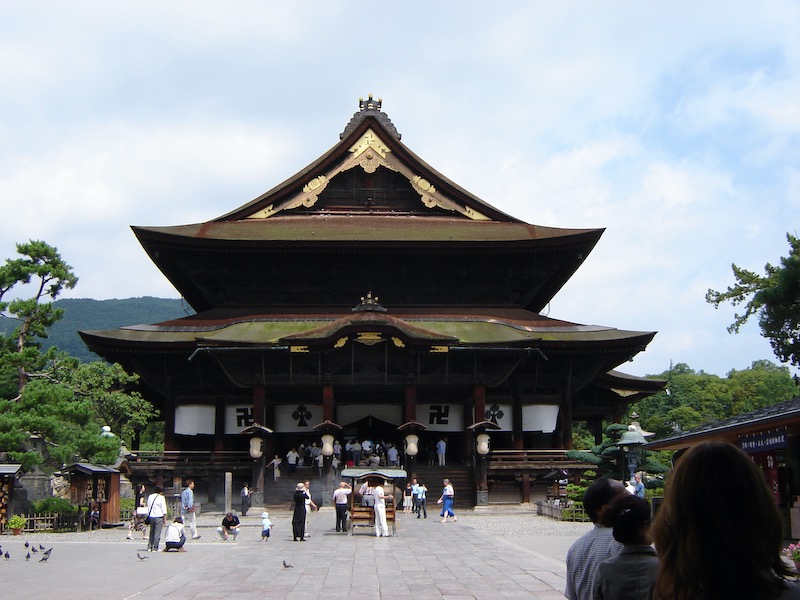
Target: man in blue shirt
638,487
187,508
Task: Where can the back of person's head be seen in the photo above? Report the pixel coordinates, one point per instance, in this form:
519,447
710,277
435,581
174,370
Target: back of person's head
158,489
630,517
178,520
599,493
718,532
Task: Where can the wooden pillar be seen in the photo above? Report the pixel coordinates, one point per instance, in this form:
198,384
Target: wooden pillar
169,423
258,404
411,402
219,423
516,419
327,402
526,488
565,412
260,464
479,398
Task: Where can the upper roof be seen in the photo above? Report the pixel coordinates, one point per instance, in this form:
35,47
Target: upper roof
368,193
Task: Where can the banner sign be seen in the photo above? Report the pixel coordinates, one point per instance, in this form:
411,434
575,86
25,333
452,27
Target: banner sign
763,441
540,417
441,417
237,417
194,419
500,415
297,418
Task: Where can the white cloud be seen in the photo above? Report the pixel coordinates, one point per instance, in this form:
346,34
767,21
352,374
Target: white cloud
673,126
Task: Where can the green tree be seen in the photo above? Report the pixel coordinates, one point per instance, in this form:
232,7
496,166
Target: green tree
775,298
42,269
111,391
695,398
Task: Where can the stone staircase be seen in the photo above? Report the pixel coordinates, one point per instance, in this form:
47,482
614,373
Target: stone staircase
460,477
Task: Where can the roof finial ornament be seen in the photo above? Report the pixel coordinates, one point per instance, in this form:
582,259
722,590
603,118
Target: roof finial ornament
370,108
370,104
369,303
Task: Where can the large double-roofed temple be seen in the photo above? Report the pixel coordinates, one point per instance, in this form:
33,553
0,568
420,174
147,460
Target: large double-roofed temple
370,296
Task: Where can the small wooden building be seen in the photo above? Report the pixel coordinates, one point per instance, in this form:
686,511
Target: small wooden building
8,476
90,484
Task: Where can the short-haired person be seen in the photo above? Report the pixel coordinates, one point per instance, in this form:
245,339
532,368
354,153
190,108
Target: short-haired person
631,574
594,546
229,527
340,501
188,509
718,532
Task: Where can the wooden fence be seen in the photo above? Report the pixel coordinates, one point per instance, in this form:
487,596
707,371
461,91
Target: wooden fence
561,511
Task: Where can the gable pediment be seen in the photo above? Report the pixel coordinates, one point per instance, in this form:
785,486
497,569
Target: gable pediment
371,179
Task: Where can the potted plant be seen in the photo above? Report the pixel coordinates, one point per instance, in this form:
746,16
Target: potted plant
792,552
16,524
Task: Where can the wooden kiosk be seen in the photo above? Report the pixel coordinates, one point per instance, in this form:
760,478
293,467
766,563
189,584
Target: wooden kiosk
364,516
95,484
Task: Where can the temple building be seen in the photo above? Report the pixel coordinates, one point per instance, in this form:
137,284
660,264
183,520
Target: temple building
368,296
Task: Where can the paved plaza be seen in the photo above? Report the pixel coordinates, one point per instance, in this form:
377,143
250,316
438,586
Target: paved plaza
482,556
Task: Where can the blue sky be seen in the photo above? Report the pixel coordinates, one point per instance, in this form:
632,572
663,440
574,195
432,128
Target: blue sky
675,126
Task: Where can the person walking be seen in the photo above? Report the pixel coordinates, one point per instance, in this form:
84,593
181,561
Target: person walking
266,526
188,510
441,451
275,463
246,498
340,499
292,458
446,500
157,514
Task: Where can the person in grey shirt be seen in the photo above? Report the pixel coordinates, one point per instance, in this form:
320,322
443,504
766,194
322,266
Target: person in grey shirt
631,574
595,546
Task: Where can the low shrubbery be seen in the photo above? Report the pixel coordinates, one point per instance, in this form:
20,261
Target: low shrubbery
54,505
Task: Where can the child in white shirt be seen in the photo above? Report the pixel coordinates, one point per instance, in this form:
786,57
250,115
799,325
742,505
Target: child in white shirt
266,526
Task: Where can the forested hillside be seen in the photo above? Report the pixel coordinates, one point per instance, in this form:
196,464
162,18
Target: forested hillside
82,314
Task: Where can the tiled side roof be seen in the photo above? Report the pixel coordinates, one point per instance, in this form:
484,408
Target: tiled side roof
780,410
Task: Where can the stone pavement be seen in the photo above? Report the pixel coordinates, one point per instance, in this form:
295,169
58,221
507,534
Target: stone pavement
478,557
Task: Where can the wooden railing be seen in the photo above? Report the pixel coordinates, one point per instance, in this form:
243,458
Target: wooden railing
174,456
543,459
561,510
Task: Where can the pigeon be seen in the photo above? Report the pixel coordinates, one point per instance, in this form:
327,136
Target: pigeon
27,544
28,556
44,558
47,552
34,550
287,565
7,555
41,547
141,557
